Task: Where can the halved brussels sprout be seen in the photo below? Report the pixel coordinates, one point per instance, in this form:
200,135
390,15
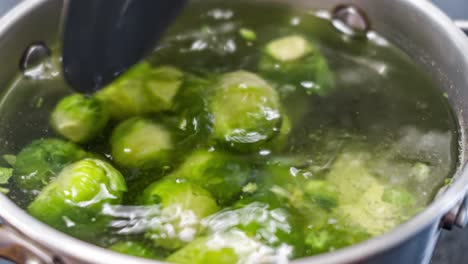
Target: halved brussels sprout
141,143
142,90
39,162
222,174
246,111
183,205
79,118
73,202
289,48
137,249
297,61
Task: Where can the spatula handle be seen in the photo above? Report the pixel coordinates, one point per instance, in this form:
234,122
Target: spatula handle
103,38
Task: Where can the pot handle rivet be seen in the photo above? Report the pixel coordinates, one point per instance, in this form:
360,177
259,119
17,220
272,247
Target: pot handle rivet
18,249
350,20
458,216
463,25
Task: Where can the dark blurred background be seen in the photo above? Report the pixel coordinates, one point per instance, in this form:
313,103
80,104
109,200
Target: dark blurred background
457,9
453,246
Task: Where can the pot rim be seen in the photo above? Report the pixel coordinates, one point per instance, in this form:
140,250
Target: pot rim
80,250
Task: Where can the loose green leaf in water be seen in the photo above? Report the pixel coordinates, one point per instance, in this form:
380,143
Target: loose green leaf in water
10,159
137,249
5,174
248,34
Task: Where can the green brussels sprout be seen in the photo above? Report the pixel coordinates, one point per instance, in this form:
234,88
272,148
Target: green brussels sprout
141,143
39,162
297,61
363,200
137,249
73,202
230,247
284,171
142,90
398,196
333,235
420,171
246,111
217,249
183,205
79,118
223,175
289,181
322,193
191,106
262,217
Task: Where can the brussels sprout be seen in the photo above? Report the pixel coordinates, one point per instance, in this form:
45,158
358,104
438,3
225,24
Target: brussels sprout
137,249
221,174
229,248
289,48
322,193
270,223
335,234
183,205
206,250
246,111
79,118
191,105
73,202
41,161
296,60
142,90
420,171
290,179
398,196
363,200
141,143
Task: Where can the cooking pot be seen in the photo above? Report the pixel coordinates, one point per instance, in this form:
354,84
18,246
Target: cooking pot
417,27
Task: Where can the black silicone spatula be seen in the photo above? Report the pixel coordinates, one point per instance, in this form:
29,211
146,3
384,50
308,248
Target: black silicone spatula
103,38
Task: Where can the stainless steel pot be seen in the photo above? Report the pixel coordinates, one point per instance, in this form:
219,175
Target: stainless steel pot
416,26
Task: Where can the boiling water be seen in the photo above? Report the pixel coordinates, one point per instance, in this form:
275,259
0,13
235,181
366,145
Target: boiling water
385,111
